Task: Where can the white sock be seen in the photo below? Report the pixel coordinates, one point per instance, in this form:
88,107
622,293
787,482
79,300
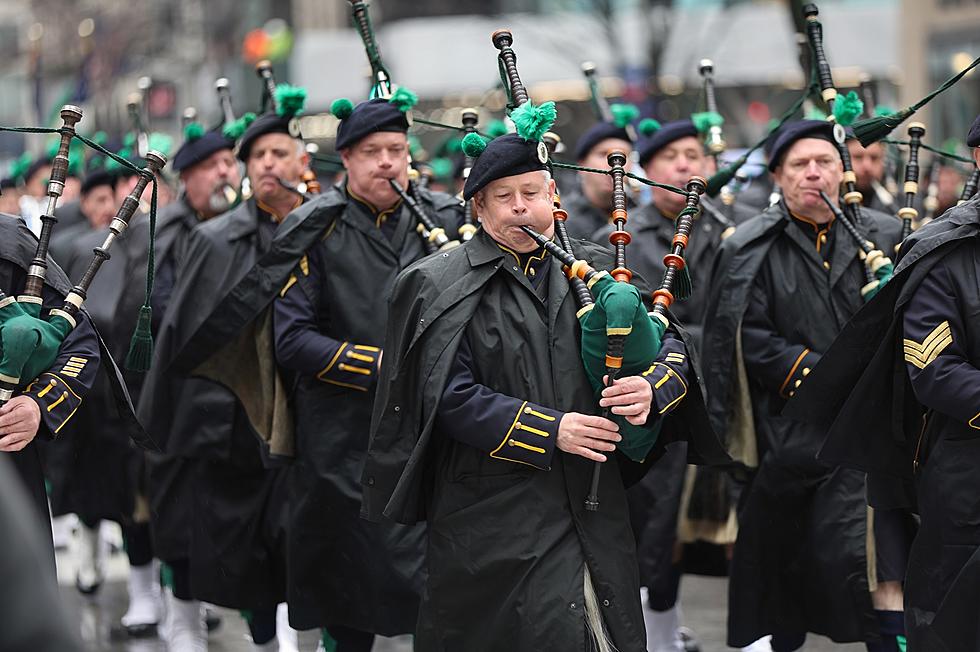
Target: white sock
144,595
762,645
661,627
87,552
184,629
310,640
286,635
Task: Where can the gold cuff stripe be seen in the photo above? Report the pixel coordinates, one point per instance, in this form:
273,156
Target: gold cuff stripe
973,422
510,430
333,360
304,265
58,402
365,347
923,354
75,358
542,433
792,371
358,356
672,373
535,449
354,370
662,381
537,414
47,388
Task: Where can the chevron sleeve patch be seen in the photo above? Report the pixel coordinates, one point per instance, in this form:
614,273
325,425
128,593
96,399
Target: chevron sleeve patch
922,354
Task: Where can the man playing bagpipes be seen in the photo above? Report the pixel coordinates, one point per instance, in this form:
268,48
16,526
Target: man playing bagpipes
782,288
486,424
898,392
237,540
350,576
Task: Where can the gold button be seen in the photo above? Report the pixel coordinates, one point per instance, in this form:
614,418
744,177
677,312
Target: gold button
527,410
806,370
531,271
798,383
823,238
826,265
791,392
511,442
517,425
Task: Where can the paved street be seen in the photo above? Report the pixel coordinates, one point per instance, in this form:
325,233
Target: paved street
704,601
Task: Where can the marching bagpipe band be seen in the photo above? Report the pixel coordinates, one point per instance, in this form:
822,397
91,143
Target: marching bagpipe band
29,344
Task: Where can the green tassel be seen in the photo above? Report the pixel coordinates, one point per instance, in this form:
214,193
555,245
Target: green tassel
403,99
648,127
141,345
495,128
236,129
683,287
623,114
160,142
442,168
193,131
706,120
290,100
129,140
874,129
473,145
100,138
341,108
847,108
532,122
883,109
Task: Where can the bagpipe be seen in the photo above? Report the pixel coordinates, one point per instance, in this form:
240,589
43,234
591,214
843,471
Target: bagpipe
29,344
619,336
469,118
433,236
970,187
710,122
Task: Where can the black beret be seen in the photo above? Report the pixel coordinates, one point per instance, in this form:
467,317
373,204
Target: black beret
369,117
597,133
193,151
793,131
505,156
96,178
668,133
973,138
8,183
267,123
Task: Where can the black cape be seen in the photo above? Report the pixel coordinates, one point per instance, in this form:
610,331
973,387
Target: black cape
792,505
861,386
331,580
432,304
